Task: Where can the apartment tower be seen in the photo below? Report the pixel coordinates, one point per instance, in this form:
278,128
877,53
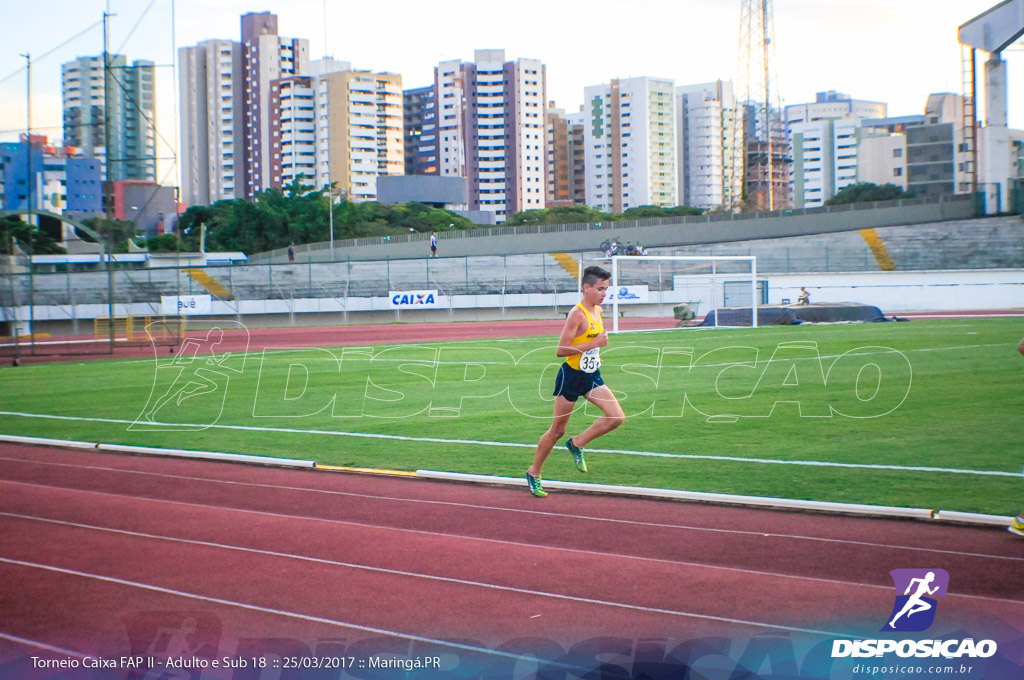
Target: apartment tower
265,57
630,144
210,86
566,175
364,136
120,103
705,137
488,126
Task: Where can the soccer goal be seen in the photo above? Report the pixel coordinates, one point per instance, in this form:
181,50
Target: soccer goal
723,290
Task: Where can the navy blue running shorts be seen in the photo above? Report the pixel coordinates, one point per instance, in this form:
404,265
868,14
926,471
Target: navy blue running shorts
572,383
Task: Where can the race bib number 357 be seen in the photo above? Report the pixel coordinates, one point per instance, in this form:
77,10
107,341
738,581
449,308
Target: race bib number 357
590,361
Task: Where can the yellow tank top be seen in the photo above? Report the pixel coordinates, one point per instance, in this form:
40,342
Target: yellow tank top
595,326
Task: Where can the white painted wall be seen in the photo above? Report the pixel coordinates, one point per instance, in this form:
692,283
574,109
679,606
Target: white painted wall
891,292
926,291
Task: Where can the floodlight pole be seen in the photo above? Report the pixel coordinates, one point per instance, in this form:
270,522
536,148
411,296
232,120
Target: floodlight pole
31,197
28,127
330,208
108,249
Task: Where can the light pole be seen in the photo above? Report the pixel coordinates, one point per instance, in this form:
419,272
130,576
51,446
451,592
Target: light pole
330,217
28,128
29,204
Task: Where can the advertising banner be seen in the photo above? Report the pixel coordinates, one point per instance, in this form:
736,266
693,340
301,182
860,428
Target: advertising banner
627,295
414,299
173,305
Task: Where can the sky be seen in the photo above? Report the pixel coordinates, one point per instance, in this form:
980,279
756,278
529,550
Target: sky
893,51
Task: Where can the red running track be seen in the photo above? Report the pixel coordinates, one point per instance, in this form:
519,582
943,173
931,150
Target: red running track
110,555
237,338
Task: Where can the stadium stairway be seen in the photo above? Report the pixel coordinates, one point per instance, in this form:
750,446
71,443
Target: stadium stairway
209,283
878,249
568,263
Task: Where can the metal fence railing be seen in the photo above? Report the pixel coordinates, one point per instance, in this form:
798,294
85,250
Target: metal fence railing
71,296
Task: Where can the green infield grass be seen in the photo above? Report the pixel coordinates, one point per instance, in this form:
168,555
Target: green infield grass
923,414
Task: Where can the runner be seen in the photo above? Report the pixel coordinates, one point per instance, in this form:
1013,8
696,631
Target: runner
580,376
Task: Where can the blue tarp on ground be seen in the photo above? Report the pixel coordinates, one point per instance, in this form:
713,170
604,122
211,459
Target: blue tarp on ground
781,315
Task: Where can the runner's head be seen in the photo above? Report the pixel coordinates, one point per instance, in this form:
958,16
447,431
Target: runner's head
595,285
593,274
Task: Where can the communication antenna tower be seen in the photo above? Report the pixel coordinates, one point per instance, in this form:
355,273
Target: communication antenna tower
761,154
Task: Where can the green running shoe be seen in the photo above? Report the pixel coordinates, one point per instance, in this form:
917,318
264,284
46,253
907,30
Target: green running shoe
535,487
577,455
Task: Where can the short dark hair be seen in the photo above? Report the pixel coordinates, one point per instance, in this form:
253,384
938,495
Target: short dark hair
594,273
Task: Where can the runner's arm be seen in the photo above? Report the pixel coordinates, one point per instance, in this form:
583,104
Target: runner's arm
575,325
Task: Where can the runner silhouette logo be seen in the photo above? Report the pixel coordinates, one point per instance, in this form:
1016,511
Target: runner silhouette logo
916,590
190,387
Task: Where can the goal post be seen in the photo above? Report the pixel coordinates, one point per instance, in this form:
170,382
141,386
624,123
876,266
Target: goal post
711,282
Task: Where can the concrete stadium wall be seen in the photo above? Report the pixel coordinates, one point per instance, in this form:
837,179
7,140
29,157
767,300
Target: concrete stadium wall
980,243
892,292
930,291
695,230
984,243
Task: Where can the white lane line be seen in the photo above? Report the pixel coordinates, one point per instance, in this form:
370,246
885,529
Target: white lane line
478,442
536,593
269,610
589,553
41,645
473,506
425,532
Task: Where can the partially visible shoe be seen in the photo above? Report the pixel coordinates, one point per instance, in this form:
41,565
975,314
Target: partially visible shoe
577,455
1016,526
535,488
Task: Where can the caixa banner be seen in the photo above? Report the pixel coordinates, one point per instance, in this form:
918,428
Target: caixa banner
174,305
414,299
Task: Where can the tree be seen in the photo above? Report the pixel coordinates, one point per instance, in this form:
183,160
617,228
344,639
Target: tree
866,192
115,232
27,237
648,211
561,214
190,221
568,214
168,243
298,214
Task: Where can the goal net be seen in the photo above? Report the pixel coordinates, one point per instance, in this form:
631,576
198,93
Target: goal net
687,290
